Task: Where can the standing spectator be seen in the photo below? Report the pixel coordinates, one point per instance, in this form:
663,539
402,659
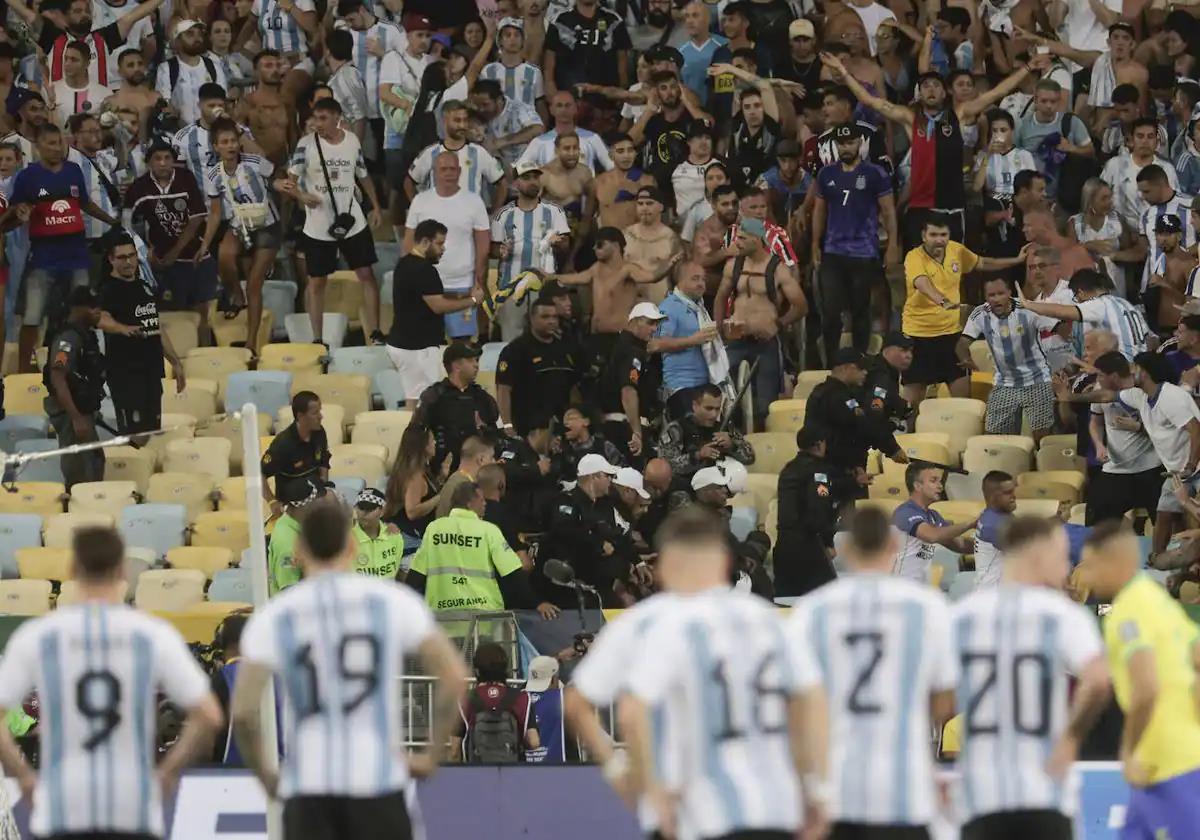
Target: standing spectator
519,80
463,267
536,373
1042,123
399,89
495,727
299,455
1039,229
653,246
687,181
787,182
193,142
74,382
837,105
563,112
1122,171
479,172
700,51
999,165
1161,200
587,43
688,339
708,240
663,128
373,39
100,175
180,78
1098,309
872,14
755,132
509,124
457,408
346,83
75,92
237,67
285,27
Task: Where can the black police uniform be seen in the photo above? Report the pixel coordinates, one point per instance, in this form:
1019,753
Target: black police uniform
529,493
627,367
849,429
541,375
579,527
882,396
807,521
682,441
455,414
291,460
76,350
570,453
134,365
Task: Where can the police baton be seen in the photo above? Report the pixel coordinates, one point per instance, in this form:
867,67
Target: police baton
741,392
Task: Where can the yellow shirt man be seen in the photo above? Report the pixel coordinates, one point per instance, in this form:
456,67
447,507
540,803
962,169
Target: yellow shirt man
922,318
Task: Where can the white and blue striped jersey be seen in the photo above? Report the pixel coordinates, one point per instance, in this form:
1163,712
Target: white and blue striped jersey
184,95
97,171
1179,205
1016,646
1119,316
522,83
882,648
1015,342
195,150
391,38
915,556
479,169
722,669
594,153
1121,173
1002,171
514,117
337,643
989,559
97,670
524,230
249,183
277,29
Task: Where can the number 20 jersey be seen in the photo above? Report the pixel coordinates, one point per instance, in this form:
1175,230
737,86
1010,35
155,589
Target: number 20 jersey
337,644
882,645
97,670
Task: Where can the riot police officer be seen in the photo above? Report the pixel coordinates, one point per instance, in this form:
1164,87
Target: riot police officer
74,380
625,392
809,487
457,407
881,388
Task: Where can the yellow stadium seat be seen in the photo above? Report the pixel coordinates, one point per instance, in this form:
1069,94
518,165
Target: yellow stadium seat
198,399
806,381
764,489
126,463
771,523
198,623
294,358
1057,452
192,490
169,590
333,421
956,404
223,528
887,504
888,486
69,594
786,416
110,497
958,426
1045,508
362,460
352,391
209,559
215,363
1078,514
25,597
181,426
930,446
231,494
1061,485
1020,441
229,427
182,329
44,563
772,451
203,454
981,354
23,394
960,511
382,427
983,458
343,293
45,498
228,330
487,381
59,530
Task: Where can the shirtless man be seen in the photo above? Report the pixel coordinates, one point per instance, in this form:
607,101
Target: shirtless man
269,114
569,185
135,94
652,245
759,311
708,245
1170,271
614,191
1039,228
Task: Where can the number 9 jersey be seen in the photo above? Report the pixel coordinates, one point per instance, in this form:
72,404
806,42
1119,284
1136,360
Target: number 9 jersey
98,670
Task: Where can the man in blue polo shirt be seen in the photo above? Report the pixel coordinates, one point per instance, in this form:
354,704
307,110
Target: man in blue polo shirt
681,337
853,196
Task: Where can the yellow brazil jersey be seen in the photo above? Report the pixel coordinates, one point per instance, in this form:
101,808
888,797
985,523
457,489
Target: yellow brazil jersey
1145,617
922,318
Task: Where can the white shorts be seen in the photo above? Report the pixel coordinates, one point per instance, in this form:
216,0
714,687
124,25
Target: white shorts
418,368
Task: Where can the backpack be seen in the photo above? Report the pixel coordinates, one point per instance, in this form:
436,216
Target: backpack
173,70
1073,173
496,733
769,277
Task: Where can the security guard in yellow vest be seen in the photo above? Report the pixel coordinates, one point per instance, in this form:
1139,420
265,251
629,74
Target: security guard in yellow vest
379,550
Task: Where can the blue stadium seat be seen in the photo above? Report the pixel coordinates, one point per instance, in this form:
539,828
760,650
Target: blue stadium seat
158,527
45,469
17,530
962,585
269,390
390,387
18,427
491,354
948,560
365,360
349,488
279,298
334,326
231,585
743,521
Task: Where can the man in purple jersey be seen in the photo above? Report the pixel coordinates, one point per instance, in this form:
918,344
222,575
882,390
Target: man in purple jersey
851,196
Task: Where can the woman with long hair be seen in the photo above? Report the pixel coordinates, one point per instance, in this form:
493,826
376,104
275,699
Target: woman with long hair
1099,228
413,488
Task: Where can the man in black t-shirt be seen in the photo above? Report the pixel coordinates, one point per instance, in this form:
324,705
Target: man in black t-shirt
537,371
663,128
418,303
586,44
299,454
134,349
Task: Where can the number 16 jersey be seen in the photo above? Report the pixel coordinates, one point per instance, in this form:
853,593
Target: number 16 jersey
97,670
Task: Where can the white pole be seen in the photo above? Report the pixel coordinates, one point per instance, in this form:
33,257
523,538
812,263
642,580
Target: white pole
257,560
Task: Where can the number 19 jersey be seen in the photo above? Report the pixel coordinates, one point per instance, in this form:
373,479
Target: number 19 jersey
882,645
97,670
337,643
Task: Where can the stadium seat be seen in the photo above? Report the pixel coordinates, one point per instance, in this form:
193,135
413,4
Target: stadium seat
365,461
960,511
109,497
382,427
807,381
487,381
1057,452
1045,508
1078,514
763,488
44,563
489,358
17,530
25,597
964,487
888,485
887,505
17,427
390,387
291,358
931,446
982,457
957,421
771,523
786,416
204,558
23,394
742,521
182,329
279,296
344,294
42,469
956,404
228,330
1062,485
267,389
334,326
156,526
224,528
203,454
179,426
192,490
125,463
231,586
772,451
69,594
198,623
59,530
169,590
231,494
229,428
45,498
198,399
365,361
1019,441
349,488
215,363
981,354
340,394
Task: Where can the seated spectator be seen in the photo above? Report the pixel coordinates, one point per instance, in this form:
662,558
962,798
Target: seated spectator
457,407
474,454
698,441
495,726
578,440
380,548
413,488
531,477
299,455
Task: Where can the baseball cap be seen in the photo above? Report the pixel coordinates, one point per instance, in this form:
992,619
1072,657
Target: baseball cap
515,23
846,132
753,227
1168,223
801,28
592,463
183,26
442,39
542,670
651,193
527,166
19,97
83,296
931,75
646,309
415,22
1123,26
297,494
631,478
709,477
699,128
458,350
370,499
847,356
787,148
895,338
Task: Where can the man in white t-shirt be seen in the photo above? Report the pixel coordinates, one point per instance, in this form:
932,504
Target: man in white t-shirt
322,174
872,14
468,236
75,92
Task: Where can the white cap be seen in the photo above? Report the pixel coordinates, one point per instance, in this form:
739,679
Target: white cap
709,477
735,471
524,167
542,670
646,309
631,478
515,23
183,26
592,463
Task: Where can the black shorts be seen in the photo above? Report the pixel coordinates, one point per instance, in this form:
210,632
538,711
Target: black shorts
321,255
934,361
1027,825
869,831
342,817
137,400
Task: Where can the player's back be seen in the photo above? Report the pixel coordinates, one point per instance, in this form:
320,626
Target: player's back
720,665
337,642
881,646
1017,646
98,669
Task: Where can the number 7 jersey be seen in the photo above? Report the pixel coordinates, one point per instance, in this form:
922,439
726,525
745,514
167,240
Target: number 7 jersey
337,644
98,670
882,646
